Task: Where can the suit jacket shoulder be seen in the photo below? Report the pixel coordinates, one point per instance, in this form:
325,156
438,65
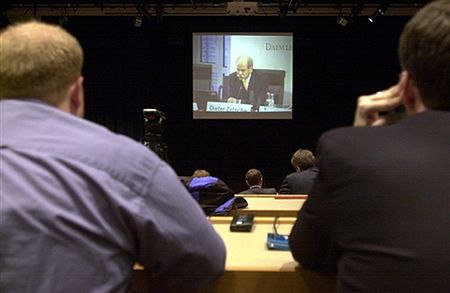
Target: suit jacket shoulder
378,188
259,190
299,182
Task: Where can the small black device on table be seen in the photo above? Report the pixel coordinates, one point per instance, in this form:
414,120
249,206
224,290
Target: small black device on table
242,223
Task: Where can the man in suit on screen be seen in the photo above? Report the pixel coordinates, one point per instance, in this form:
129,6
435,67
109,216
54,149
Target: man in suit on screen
247,85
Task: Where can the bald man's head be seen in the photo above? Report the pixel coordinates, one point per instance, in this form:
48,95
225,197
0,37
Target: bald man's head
244,66
38,60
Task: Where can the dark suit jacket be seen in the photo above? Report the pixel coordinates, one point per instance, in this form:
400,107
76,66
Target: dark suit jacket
259,190
256,92
299,182
379,210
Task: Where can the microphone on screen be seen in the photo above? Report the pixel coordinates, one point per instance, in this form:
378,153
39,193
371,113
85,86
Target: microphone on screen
239,93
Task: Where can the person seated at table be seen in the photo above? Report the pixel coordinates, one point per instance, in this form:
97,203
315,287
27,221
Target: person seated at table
200,173
300,181
378,213
254,180
247,85
80,205
213,194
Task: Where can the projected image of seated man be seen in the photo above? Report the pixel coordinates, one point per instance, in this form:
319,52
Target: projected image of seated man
247,85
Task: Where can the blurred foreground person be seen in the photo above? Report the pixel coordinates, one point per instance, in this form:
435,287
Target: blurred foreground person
81,205
378,213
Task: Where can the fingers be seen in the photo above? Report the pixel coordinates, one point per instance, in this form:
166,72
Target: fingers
382,120
369,107
381,101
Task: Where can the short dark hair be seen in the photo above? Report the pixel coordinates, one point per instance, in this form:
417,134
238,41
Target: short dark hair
303,158
424,51
253,177
200,173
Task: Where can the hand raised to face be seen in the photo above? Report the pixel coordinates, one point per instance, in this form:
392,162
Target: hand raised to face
370,107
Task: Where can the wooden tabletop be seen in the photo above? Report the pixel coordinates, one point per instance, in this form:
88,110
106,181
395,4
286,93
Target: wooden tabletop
270,206
251,267
279,196
247,251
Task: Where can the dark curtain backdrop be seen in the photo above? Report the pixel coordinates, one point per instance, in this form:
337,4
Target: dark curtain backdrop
128,69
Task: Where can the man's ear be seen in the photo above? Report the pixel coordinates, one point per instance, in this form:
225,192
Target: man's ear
410,94
406,92
76,97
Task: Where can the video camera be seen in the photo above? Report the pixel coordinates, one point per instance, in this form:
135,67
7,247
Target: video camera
153,122
153,129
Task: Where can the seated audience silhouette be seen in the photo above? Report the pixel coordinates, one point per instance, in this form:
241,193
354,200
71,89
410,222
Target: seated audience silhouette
213,195
254,180
378,213
301,180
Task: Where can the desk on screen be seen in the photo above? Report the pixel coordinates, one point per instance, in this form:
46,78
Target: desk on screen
227,107
274,109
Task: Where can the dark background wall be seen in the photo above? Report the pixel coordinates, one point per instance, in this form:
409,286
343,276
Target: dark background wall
128,69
